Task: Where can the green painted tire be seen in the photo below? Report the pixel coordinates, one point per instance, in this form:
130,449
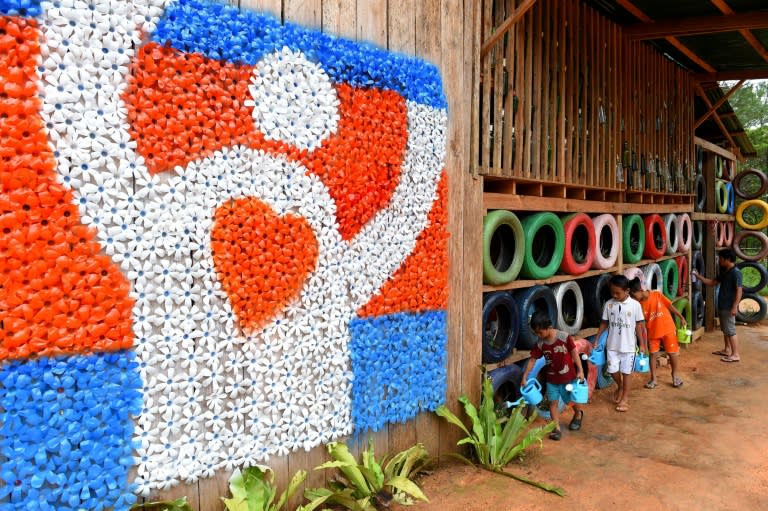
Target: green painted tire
670,278
633,238
684,307
503,247
544,245
721,196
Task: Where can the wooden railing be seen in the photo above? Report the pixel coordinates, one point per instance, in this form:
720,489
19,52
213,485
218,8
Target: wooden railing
564,98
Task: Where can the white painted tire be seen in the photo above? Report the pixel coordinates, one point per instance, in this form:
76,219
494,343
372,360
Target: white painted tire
607,241
654,280
570,306
670,225
684,232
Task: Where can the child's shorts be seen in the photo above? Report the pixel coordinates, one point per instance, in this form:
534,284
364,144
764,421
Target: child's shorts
619,362
669,341
557,391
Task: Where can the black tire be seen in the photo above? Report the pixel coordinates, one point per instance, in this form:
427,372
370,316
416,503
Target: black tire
750,192
748,252
697,262
501,326
698,235
506,383
701,193
697,309
596,292
752,316
503,245
762,272
536,298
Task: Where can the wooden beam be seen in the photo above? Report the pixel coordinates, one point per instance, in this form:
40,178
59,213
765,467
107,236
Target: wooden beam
698,25
533,203
748,35
674,41
723,76
719,103
509,22
719,122
709,146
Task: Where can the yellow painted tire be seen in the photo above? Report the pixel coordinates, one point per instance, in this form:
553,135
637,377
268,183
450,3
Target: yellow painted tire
762,224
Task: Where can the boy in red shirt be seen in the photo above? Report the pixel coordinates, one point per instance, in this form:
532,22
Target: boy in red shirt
559,350
658,311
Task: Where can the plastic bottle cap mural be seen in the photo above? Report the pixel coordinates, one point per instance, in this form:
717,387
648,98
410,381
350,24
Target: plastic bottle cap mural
222,239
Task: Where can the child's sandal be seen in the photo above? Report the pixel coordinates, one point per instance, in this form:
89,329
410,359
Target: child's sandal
555,435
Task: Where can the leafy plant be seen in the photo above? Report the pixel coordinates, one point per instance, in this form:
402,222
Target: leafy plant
163,505
370,484
497,441
254,489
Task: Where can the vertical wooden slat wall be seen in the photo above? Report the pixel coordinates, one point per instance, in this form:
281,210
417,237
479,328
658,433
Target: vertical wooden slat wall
563,91
446,33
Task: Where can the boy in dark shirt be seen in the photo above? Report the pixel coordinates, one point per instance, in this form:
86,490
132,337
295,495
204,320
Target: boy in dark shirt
727,302
559,350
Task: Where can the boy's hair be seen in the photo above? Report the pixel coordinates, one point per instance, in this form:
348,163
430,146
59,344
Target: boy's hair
727,254
636,285
619,281
540,321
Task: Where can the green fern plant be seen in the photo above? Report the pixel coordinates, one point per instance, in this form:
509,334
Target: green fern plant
370,484
497,441
254,489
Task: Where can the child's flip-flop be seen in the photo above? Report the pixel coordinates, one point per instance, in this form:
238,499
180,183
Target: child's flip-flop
677,383
729,359
622,407
720,353
650,385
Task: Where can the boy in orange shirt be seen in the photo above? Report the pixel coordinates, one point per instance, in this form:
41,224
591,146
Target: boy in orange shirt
657,310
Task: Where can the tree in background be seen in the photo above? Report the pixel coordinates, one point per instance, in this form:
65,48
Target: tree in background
750,103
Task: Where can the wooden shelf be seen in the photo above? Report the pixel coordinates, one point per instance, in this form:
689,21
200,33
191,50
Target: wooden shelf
556,279
518,355
493,200
698,215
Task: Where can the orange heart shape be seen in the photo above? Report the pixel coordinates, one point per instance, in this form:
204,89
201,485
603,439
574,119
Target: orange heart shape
262,259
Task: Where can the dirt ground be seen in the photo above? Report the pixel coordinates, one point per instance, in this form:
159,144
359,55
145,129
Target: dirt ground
703,446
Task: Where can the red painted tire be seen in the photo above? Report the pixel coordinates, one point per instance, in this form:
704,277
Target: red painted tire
655,236
580,242
684,233
683,275
752,255
607,241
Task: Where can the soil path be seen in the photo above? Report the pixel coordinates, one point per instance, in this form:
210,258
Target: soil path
700,447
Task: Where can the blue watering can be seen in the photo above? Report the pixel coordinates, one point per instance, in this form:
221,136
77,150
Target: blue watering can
531,392
597,356
641,363
514,404
579,391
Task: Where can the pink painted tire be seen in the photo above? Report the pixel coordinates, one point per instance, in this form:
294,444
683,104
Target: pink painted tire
635,273
606,241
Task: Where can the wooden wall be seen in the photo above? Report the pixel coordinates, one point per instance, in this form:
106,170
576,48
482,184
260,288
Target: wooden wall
442,32
563,91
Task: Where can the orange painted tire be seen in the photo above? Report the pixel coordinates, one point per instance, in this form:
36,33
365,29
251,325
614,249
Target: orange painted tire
655,236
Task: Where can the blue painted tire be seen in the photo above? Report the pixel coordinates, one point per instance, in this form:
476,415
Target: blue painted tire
501,325
529,301
506,383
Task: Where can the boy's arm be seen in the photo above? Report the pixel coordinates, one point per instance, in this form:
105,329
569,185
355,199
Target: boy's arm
705,280
576,356
528,368
602,328
679,314
642,336
735,306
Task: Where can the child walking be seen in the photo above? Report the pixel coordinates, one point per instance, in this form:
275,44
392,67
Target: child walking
661,328
559,350
727,302
623,319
